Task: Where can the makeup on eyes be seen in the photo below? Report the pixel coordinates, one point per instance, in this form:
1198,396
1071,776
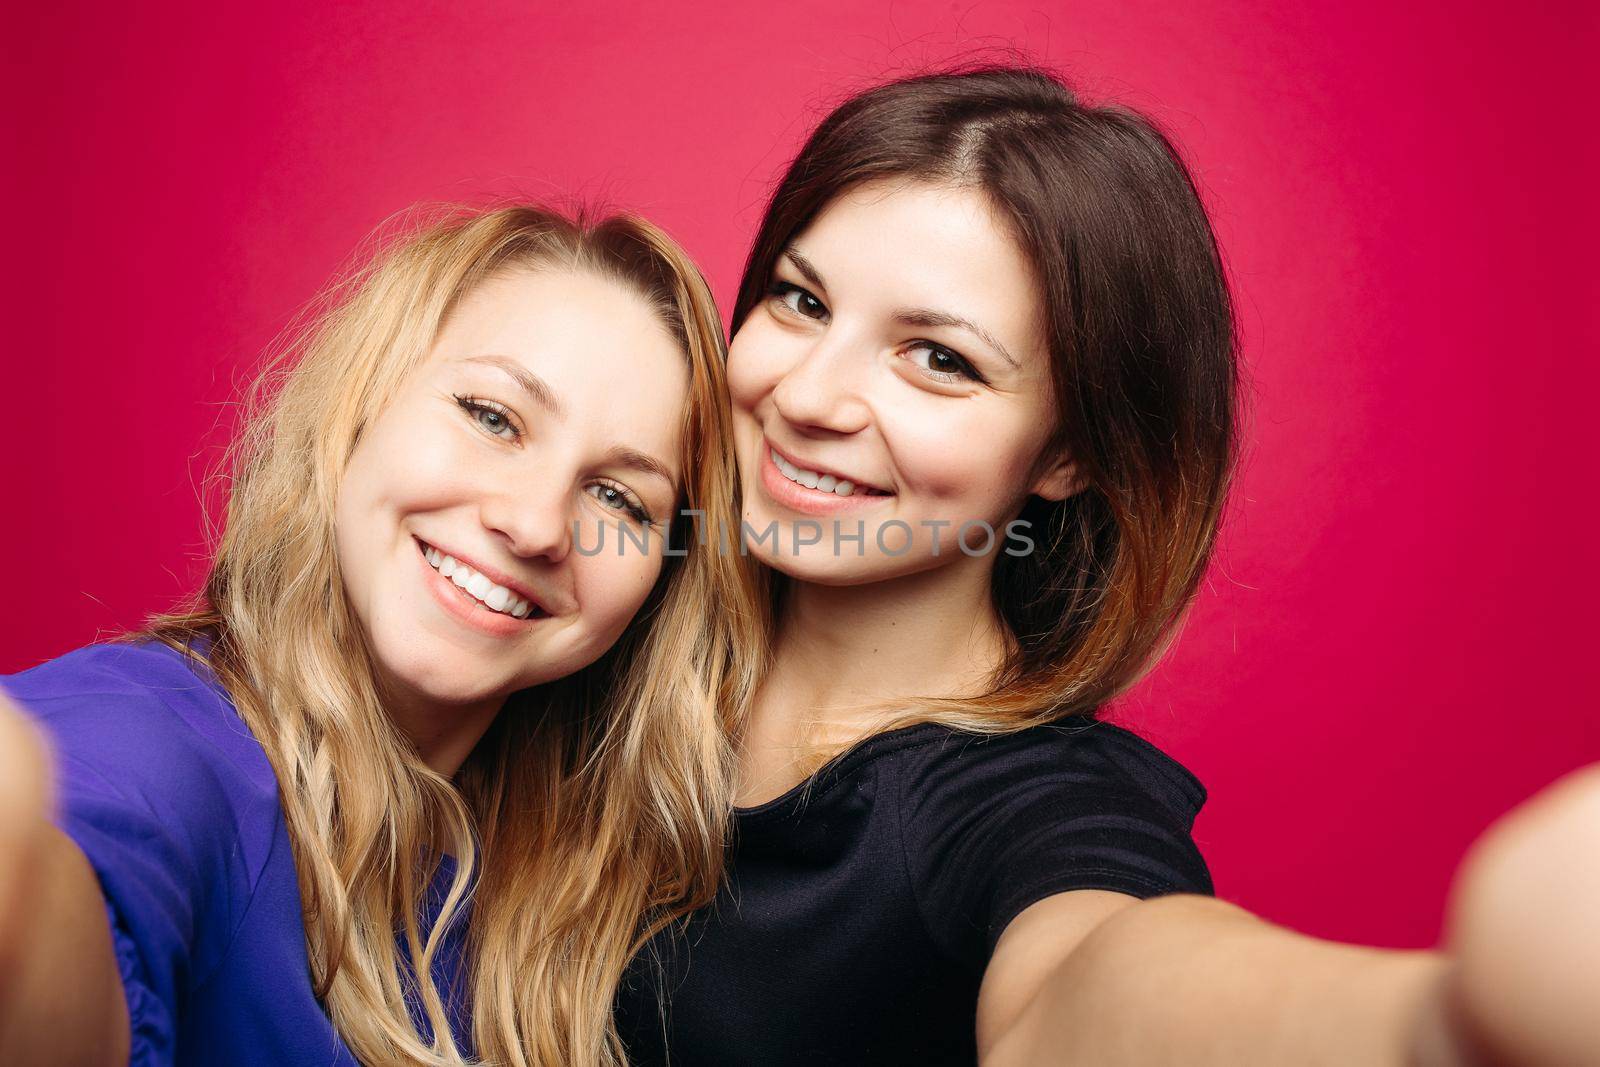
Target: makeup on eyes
633,505
485,412
806,305
493,417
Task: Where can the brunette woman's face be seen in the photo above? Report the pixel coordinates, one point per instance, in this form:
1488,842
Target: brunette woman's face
548,409
894,383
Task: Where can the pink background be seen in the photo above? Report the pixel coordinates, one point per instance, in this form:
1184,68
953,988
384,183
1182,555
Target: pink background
1396,644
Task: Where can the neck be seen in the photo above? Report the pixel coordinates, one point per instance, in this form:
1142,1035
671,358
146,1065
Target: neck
844,652
444,735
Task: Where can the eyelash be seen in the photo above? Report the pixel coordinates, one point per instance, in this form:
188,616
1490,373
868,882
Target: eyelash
778,290
632,504
476,408
964,369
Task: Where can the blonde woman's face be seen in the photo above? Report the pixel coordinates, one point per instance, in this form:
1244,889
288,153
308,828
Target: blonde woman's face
894,385
544,423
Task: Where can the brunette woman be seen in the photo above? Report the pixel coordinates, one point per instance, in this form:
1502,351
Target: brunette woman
985,403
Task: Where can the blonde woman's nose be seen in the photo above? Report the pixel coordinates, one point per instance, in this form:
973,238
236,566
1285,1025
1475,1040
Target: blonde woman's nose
533,523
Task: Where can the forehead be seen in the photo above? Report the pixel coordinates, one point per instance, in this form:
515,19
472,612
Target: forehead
606,355
913,244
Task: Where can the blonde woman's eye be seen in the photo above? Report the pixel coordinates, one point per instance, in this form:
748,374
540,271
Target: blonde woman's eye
491,418
940,363
619,499
799,301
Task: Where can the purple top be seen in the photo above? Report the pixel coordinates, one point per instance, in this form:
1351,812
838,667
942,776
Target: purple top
171,798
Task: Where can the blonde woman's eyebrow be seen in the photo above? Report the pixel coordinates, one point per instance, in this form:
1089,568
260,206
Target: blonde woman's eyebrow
529,382
643,462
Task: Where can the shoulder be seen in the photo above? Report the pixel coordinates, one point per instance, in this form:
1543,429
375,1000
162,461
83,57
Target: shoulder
1080,758
991,824
165,791
125,670
146,724
140,704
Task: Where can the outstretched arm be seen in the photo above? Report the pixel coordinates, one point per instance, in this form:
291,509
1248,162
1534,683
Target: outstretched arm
1090,978
1193,980
61,998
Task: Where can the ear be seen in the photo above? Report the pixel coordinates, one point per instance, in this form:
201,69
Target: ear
1060,479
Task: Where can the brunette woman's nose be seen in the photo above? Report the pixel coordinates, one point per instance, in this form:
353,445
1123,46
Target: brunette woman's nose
822,390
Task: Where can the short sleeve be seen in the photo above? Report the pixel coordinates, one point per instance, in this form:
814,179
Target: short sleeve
994,824
155,805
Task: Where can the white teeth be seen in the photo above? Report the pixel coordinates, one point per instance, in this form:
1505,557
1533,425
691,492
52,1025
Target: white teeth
494,597
827,483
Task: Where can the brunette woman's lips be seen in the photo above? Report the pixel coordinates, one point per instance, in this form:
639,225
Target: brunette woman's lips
783,490
472,598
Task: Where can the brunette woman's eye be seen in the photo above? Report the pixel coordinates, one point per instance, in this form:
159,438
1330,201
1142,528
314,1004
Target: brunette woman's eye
617,498
492,418
941,363
799,301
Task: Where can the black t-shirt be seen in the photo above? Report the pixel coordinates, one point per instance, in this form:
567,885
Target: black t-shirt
861,907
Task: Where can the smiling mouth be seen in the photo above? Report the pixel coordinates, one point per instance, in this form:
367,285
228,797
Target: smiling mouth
823,483
483,592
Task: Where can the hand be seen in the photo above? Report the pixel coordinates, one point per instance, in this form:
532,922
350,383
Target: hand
1525,930
24,810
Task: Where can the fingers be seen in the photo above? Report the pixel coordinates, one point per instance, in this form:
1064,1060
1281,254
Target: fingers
24,814
1525,928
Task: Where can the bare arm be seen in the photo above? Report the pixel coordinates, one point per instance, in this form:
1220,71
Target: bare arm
1194,981
61,997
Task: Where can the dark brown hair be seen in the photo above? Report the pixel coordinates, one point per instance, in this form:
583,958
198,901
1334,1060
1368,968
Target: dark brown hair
1141,339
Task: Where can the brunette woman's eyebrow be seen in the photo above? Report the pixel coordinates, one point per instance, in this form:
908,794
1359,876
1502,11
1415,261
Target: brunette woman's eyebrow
526,380
927,317
805,267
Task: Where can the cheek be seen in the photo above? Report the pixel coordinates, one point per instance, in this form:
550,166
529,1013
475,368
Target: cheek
433,468
412,464
755,360
355,513
404,463
970,460
612,588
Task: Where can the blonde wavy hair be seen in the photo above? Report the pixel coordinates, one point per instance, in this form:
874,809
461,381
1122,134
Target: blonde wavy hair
594,811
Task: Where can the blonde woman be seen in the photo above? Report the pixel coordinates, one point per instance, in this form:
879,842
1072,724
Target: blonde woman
439,745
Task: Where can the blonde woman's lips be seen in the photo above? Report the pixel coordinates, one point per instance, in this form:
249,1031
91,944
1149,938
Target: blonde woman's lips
472,598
